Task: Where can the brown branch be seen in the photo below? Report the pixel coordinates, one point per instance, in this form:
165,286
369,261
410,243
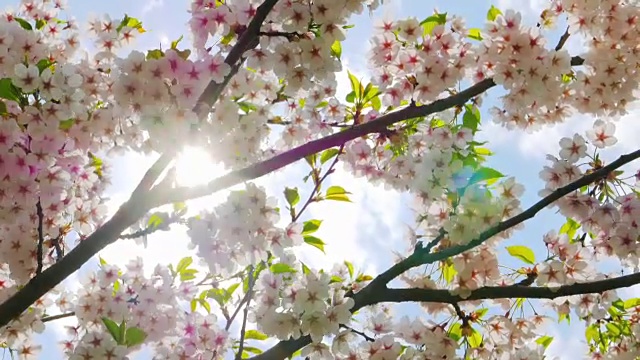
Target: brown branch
563,39
56,317
503,292
243,331
279,161
39,250
361,333
140,202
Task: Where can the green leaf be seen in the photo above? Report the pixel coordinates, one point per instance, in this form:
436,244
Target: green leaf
448,272
8,90
155,220
475,339
255,335
281,268
305,269
183,264
337,193
66,124
174,44
40,24
24,23
471,118
545,341
314,241
226,40
356,87
350,268
631,303
481,312
122,330
336,49
335,279
130,22
103,262
455,331
113,329
135,336
311,226
431,22
292,196
523,253
328,155
485,174
155,54
43,64
351,97
188,274
375,103
184,54
251,349
474,33
493,13
3,108
363,277
570,227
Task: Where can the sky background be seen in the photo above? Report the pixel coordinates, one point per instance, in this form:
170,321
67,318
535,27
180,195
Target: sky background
366,231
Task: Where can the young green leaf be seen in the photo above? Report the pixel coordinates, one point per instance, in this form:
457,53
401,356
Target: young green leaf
255,335
292,196
485,174
545,340
135,336
336,49
8,90
474,33
349,268
314,241
337,193
523,253
113,329
493,13
431,22
311,226
328,155
280,268
183,264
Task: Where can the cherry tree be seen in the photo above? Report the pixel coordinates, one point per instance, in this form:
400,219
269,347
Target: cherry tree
263,68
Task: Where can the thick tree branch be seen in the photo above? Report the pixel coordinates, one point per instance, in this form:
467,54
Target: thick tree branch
502,292
39,248
139,203
279,161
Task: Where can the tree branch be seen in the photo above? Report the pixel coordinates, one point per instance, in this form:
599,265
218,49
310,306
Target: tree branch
503,292
246,314
279,161
58,316
39,250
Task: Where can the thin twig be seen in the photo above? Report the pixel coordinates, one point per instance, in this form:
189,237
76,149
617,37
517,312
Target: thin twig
39,250
563,39
459,311
361,333
58,316
246,314
318,184
245,298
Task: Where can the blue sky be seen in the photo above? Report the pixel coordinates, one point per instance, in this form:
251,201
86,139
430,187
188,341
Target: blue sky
366,231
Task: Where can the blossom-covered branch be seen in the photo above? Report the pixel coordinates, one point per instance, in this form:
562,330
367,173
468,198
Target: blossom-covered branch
130,211
377,291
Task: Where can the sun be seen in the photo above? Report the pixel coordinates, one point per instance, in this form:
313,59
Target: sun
195,166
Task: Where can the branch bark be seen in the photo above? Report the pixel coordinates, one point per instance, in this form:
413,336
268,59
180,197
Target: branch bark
503,292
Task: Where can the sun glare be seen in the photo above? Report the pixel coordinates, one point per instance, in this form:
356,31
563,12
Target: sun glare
194,167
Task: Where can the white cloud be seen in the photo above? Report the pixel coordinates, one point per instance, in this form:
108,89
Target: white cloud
151,5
